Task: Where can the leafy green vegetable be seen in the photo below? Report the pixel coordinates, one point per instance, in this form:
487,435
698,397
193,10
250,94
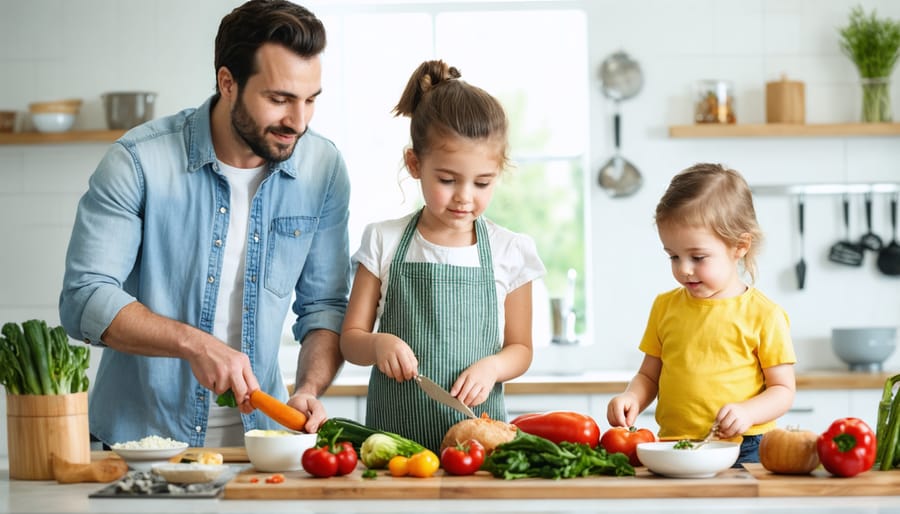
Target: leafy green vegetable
357,434
684,444
528,455
872,44
35,359
226,399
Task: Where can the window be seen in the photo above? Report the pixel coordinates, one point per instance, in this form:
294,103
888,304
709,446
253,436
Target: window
531,55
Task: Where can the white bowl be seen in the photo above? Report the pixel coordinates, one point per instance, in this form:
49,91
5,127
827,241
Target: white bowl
704,462
277,450
143,459
52,122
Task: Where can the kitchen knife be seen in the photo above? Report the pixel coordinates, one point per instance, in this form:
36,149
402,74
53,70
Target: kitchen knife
441,395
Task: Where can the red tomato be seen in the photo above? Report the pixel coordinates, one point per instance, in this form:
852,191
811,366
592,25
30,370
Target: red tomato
847,448
346,458
625,440
559,426
463,459
319,462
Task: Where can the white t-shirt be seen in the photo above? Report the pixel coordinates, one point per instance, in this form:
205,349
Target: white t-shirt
515,257
224,427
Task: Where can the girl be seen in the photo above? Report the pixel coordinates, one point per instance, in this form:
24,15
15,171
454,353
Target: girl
717,351
451,291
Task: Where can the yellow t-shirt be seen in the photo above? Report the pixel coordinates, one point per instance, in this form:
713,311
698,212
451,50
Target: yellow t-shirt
713,352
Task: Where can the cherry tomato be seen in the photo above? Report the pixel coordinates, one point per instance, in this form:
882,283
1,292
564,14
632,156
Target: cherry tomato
559,426
625,440
346,458
398,466
423,464
319,462
464,458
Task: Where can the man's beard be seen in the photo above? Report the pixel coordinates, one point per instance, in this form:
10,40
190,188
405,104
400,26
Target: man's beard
248,130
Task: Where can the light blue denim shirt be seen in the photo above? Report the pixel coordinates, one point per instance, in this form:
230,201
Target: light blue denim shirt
152,227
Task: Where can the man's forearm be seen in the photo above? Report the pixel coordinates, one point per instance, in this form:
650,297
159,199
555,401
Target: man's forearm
318,362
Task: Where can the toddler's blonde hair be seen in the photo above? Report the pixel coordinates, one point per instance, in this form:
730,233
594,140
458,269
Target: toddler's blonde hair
714,197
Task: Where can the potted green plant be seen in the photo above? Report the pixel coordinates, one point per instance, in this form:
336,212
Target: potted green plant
873,45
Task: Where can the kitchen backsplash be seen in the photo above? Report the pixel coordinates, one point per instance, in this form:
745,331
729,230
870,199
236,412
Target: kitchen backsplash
89,47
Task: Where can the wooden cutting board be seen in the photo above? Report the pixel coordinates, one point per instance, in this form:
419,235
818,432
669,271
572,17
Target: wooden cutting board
822,483
300,485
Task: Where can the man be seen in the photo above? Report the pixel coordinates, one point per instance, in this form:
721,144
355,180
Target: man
198,230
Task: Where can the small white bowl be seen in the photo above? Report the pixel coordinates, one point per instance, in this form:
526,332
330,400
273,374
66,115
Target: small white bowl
52,122
704,462
143,459
277,450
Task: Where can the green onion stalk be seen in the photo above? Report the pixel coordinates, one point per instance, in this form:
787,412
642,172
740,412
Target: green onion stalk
887,431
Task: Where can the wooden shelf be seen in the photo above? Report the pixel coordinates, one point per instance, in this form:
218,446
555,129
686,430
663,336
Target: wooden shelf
708,130
77,136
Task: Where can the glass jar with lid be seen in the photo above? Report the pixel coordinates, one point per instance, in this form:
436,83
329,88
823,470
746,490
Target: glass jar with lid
714,102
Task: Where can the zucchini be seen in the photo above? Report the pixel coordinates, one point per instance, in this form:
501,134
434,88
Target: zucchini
343,429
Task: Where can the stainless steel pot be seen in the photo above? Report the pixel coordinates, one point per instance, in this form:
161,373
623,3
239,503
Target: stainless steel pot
128,109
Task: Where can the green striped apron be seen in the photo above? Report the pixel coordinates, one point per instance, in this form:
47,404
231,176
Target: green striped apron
448,316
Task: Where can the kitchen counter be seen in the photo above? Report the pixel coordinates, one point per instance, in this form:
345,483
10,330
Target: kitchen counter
47,496
612,382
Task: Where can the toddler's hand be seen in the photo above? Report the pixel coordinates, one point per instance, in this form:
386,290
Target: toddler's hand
473,385
395,358
622,410
733,420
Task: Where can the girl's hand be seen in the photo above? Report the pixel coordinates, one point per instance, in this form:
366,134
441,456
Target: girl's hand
734,420
473,385
395,358
623,410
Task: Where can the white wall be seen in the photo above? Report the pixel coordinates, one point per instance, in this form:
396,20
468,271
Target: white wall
56,49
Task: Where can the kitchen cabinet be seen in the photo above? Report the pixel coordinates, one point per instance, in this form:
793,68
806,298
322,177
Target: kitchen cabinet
72,136
719,130
815,410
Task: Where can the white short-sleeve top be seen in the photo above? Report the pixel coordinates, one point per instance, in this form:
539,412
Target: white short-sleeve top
516,261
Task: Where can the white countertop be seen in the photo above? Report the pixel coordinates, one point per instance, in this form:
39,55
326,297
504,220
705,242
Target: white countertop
24,496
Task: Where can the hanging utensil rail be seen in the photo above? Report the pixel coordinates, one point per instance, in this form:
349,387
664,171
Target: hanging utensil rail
827,189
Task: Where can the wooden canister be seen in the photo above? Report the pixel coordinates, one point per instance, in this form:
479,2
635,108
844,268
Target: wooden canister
38,426
785,101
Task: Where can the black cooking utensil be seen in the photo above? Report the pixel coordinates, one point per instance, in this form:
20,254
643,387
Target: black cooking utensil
870,240
800,268
889,256
846,251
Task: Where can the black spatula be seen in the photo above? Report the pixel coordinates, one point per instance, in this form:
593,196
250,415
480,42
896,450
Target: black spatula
846,252
889,256
800,268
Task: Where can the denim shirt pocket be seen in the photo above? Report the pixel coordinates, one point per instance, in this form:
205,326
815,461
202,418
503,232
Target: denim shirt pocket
289,242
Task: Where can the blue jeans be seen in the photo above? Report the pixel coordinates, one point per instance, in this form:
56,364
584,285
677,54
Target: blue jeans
749,450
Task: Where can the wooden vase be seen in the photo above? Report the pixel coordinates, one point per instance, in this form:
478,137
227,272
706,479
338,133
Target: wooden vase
39,426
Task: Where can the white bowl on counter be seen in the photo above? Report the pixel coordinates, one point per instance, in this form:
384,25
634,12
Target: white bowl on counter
275,451
704,462
143,459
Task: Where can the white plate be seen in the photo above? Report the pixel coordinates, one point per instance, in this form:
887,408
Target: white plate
189,473
144,458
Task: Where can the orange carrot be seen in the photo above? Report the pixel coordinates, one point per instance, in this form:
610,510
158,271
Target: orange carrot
280,412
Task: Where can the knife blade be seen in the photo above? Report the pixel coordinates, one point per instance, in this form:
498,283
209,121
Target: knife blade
439,394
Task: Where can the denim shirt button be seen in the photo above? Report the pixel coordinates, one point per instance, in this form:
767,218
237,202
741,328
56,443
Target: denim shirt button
211,279
87,341
198,429
253,278
296,233
255,238
223,210
218,242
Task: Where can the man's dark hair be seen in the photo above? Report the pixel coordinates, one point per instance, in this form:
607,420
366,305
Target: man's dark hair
257,22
